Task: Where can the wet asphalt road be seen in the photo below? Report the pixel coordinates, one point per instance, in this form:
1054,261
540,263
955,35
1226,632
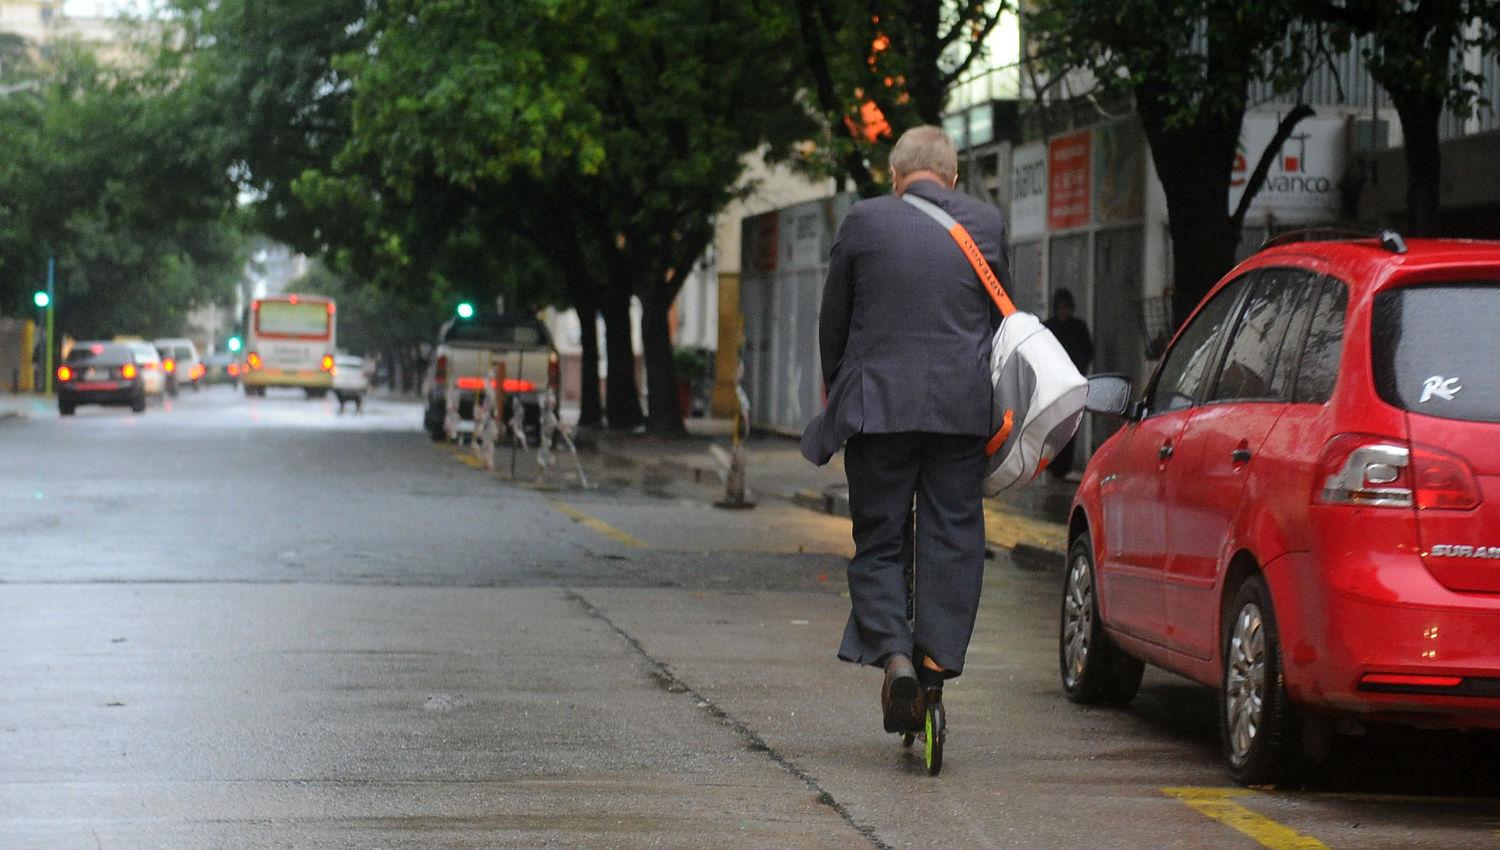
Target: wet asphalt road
248,623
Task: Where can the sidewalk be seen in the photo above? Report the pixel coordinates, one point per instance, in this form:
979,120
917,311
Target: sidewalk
25,405
1030,524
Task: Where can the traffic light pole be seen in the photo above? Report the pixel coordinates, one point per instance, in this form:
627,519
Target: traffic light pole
51,308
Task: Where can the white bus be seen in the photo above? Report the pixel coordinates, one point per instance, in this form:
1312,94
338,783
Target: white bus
289,343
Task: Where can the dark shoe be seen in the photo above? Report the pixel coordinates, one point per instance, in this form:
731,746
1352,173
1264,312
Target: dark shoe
899,696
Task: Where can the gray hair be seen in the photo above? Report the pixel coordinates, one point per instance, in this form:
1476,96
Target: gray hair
925,148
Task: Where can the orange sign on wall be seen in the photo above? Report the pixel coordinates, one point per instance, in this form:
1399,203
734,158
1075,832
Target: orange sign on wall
1068,176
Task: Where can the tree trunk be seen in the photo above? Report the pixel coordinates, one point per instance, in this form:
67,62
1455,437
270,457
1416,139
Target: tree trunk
590,406
663,408
1420,114
1194,162
622,402
925,81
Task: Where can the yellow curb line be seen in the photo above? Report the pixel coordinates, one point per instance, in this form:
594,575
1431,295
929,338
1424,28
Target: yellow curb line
1005,530
598,525
1217,803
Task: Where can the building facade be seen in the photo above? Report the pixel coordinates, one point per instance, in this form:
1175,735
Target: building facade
1072,169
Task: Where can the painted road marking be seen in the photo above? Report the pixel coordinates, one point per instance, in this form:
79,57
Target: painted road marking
1004,530
463,455
1218,803
598,525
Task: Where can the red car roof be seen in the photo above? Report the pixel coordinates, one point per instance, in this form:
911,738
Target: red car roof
1365,262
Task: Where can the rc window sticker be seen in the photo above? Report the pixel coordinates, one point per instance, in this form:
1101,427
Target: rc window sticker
1439,386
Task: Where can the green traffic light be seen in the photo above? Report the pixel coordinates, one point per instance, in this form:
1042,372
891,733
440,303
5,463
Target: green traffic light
234,343
41,299
465,310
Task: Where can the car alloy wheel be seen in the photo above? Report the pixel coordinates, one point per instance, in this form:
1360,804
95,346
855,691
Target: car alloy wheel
1094,668
1245,681
1078,621
1261,730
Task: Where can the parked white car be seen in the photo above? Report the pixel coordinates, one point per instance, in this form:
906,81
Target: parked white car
153,377
181,363
350,383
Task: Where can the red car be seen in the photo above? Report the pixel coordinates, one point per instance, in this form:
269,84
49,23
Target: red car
1302,509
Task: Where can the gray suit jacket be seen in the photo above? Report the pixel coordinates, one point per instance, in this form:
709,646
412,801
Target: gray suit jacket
905,327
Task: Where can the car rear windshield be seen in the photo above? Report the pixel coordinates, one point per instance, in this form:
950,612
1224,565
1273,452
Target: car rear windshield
498,330
1436,349
99,352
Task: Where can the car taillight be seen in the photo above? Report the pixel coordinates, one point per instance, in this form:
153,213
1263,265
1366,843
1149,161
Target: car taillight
440,373
554,372
169,365
148,366
64,374
327,363
1358,469
128,371
233,369
1442,480
516,385
253,360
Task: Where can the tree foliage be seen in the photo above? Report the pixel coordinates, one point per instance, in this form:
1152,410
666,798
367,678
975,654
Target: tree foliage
103,171
875,68
606,133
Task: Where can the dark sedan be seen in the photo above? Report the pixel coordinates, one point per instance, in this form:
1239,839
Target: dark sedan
99,373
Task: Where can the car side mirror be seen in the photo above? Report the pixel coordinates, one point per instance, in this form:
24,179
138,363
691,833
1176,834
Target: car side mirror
1109,394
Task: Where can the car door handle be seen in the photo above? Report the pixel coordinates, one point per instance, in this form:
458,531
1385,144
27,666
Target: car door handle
1165,451
1240,455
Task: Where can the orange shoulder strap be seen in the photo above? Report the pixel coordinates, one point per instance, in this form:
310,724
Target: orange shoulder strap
971,251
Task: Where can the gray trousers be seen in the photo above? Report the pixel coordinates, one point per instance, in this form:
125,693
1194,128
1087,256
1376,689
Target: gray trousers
943,473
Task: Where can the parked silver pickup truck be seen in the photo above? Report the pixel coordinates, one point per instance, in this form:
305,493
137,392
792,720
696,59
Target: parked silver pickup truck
466,355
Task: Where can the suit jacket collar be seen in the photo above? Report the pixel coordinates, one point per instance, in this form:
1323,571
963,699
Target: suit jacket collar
930,190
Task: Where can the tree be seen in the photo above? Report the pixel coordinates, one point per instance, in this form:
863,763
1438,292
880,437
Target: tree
1189,65
103,172
276,76
262,74
463,102
619,128
877,68
1415,50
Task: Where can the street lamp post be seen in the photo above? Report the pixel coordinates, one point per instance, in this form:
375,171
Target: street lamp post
51,309
44,301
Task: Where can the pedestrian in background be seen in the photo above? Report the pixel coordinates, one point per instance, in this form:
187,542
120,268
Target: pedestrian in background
1073,333
904,334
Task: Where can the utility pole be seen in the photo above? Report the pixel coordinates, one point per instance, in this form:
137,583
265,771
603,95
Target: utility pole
51,309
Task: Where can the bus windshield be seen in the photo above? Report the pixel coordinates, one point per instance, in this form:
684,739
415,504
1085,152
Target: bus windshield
306,319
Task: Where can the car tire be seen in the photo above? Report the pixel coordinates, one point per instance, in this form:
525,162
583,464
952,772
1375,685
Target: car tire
1095,670
1259,727
65,408
138,404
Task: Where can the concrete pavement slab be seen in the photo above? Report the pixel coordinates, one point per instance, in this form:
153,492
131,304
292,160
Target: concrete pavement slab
197,716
